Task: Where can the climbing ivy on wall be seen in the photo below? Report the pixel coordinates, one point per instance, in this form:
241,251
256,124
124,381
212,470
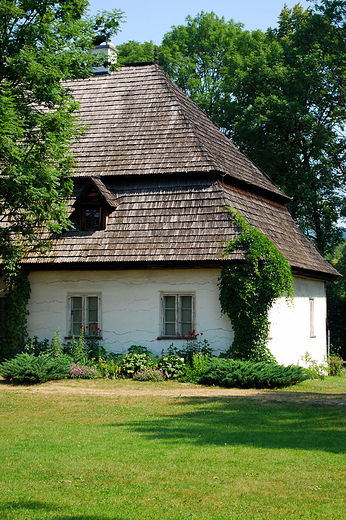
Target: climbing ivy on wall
248,288
14,329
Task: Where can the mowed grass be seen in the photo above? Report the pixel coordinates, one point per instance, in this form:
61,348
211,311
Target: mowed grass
67,455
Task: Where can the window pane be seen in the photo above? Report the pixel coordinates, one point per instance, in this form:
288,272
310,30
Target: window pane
92,219
186,302
92,315
185,314
76,315
169,302
185,328
169,329
170,316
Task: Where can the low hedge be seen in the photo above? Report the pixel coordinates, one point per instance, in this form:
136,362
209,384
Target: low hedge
232,373
29,369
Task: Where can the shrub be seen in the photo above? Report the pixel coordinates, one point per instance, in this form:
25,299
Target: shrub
194,345
195,370
335,365
247,374
108,367
149,374
172,366
132,363
27,368
36,347
79,371
314,369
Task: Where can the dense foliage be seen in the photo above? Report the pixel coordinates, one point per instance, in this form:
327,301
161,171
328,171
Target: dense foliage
336,303
249,287
27,368
246,374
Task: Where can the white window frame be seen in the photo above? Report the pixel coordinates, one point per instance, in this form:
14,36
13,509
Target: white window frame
178,324
312,317
84,297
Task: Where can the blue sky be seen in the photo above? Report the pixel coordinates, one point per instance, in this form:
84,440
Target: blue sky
151,19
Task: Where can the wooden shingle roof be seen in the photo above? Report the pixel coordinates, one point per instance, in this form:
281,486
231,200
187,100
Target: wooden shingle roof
179,221
139,122
165,173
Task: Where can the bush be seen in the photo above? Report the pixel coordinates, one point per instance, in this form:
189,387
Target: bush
335,365
108,367
132,363
149,374
26,368
314,369
246,374
172,366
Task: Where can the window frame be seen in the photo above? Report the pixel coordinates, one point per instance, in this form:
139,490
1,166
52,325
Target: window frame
85,322
92,207
178,323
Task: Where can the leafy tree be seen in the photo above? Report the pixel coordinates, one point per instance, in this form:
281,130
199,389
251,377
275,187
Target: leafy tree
289,112
132,52
42,43
199,57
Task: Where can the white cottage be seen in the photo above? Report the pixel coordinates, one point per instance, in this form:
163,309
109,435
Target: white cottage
143,259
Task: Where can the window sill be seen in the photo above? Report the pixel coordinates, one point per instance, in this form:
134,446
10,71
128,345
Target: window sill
184,338
85,337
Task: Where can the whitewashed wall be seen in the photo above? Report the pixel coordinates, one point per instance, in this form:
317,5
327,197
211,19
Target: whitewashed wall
131,309
290,325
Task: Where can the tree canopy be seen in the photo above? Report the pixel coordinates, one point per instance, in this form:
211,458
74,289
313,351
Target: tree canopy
42,43
280,96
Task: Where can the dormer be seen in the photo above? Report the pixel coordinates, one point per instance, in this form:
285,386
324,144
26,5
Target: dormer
93,205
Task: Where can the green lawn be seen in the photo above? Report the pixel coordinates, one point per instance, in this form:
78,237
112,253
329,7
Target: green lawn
80,456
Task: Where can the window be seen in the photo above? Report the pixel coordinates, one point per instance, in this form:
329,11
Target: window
85,311
92,218
177,314
312,317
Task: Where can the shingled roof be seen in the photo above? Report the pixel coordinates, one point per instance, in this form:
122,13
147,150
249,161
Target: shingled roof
139,122
165,172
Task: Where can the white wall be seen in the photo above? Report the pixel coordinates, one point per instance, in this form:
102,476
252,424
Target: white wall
131,309
290,325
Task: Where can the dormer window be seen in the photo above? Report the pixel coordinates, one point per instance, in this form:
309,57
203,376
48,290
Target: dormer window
91,218
93,205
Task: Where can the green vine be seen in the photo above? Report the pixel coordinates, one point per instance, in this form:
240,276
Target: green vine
14,330
249,287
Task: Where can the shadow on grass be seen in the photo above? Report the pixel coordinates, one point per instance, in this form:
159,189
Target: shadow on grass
55,512
246,422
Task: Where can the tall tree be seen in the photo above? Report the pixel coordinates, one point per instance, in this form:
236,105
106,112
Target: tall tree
133,51
290,110
42,43
199,57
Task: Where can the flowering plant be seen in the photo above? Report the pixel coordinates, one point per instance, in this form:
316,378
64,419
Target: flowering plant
78,371
149,374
